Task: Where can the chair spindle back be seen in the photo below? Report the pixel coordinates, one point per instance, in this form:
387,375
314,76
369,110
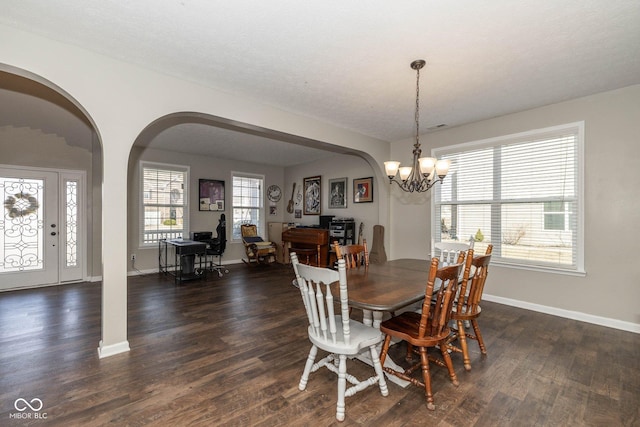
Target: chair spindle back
472,289
314,284
354,255
449,251
438,303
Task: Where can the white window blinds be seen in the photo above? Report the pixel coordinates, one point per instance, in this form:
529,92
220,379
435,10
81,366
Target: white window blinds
248,206
521,193
164,210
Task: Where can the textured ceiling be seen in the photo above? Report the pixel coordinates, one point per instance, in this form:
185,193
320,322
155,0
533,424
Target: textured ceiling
347,62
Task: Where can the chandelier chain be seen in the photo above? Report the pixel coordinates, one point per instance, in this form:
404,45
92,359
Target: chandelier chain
417,115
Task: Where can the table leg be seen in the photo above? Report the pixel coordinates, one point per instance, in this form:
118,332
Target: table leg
377,319
367,318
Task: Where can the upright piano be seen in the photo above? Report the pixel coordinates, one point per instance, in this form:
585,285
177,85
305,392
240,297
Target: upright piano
315,239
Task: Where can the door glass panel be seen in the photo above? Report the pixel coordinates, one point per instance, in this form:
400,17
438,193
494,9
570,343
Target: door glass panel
71,223
21,225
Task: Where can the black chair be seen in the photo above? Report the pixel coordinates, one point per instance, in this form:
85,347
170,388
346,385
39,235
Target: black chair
216,247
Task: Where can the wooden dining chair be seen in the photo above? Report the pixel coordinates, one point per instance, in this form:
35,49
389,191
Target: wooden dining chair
354,255
467,307
335,333
430,328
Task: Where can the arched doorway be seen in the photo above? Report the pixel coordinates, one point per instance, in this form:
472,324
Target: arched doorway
50,161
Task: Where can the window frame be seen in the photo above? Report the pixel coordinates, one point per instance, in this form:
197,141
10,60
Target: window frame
577,128
261,223
186,170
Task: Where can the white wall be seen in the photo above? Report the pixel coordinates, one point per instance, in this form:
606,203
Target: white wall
610,292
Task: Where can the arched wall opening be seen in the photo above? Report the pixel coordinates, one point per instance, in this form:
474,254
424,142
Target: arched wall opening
42,126
213,147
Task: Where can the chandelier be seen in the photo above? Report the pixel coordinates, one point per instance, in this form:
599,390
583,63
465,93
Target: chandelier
425,171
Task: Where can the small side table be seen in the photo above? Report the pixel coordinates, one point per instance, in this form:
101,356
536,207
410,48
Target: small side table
183,253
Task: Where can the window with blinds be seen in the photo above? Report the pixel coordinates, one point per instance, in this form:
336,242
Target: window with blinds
248,205
164,213
521,193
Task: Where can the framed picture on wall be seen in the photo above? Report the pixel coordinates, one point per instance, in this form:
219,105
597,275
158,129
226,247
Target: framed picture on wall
211,195
338,193
363,190
311,196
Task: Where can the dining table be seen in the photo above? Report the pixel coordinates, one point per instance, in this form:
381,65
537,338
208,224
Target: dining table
389,287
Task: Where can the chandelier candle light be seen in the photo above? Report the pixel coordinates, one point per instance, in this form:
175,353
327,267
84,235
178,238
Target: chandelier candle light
422,175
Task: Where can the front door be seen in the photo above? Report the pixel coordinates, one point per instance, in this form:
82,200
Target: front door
35,245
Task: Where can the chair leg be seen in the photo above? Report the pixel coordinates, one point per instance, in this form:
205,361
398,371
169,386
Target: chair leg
449,364
342,387
307,367
462,336
409,356
377,366
426,378
385,349
476,330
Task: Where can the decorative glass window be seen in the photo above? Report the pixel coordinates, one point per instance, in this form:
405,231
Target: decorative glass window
71,223
522,193
165,211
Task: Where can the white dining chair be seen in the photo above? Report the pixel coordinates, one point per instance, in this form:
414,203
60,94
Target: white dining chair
335,333
449,251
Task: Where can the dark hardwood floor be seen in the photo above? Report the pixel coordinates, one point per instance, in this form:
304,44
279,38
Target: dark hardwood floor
230,351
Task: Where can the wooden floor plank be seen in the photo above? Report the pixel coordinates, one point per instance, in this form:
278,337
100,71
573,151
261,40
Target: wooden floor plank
230,351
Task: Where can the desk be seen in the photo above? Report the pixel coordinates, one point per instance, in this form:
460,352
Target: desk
183,253
386,287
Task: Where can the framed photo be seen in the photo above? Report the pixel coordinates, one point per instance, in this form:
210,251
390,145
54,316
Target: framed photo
363,190
338,193
211,195
311,195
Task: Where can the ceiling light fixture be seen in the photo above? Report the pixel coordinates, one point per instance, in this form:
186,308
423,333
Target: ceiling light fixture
422,175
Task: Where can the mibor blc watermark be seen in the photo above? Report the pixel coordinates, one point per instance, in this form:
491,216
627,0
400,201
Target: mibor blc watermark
28,409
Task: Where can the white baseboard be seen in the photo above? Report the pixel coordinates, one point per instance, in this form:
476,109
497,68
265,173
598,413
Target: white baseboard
110,350
156,270
568,314
142,272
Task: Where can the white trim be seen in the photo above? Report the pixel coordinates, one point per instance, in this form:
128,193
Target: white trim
113,349
156,270
567,314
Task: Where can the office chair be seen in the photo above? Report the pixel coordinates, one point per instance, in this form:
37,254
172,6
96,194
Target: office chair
216,247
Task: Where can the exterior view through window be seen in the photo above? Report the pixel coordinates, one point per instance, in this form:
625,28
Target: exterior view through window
521,193
164,210
248,206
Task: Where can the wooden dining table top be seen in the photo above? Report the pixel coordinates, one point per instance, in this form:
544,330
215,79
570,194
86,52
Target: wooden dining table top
389,286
